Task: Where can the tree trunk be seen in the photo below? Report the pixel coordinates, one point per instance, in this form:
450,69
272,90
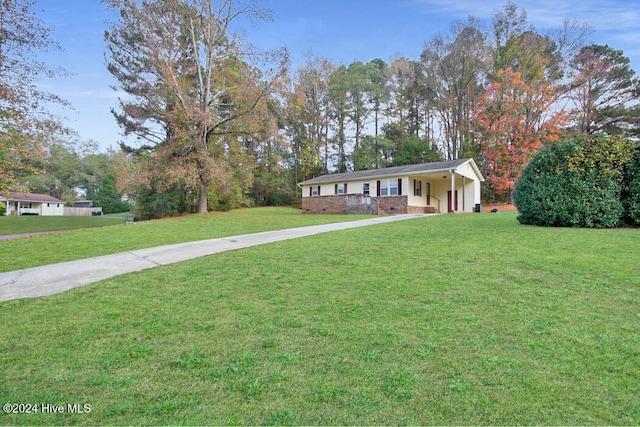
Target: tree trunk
202,200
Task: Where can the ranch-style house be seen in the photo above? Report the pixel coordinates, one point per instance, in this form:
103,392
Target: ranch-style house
32,204
450,186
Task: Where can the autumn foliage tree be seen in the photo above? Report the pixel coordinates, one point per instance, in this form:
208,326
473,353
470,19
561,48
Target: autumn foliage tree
514,119
191,94
24,118
211,132
456,66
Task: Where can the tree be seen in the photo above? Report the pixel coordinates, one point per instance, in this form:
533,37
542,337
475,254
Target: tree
379,93
408,104
307,117
456,66
109,197
373,153
190,91
67,168
94,167
416,150
360,92
339,110
605,91
59,170
539,58
23,114
514,119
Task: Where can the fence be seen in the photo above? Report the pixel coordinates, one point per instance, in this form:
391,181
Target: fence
82,211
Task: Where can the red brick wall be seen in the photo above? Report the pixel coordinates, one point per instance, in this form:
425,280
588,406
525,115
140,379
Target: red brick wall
324,205
392,205
338,205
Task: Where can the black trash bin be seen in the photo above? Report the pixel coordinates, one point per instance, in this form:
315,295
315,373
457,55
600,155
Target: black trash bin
478,207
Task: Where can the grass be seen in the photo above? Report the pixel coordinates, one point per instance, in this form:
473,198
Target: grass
454,319
35,223
77,244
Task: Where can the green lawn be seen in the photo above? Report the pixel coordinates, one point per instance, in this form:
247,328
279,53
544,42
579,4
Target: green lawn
85,243
447,320
35,223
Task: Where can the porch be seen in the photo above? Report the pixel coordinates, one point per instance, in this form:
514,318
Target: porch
29,211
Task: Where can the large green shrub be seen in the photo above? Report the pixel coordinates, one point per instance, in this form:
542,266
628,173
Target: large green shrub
575,183
631,191
3,209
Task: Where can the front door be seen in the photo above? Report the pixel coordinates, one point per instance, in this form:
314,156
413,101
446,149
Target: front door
455,204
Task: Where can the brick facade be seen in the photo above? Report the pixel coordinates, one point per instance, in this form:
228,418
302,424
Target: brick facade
325,204
392,205
337,204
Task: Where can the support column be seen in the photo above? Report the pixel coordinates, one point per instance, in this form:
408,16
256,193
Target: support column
464,197
453,190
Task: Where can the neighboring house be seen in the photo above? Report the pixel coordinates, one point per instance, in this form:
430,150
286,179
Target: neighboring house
451,186
34,204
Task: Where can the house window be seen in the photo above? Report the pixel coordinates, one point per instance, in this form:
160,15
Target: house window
389,187
365,188
314,190
383,187
341,189
393,187
417,187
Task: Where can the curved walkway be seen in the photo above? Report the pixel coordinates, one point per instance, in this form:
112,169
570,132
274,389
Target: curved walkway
52,279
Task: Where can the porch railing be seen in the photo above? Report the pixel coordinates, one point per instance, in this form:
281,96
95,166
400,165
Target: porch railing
30,211
361,204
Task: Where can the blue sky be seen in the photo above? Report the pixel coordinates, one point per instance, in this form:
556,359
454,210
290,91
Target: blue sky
340,30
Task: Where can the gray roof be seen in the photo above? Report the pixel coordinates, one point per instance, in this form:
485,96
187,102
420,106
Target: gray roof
33,197
392,171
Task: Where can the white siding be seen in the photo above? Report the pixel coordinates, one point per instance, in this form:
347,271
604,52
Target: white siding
52,209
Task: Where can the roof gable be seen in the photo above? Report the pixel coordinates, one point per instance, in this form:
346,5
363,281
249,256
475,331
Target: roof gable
393,171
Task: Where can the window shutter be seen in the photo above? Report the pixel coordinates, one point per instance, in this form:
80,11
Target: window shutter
318,190
310,190
414,187
399,186
335,189
378,188
345,188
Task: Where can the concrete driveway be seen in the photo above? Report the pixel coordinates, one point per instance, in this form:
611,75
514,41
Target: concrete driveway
55,278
